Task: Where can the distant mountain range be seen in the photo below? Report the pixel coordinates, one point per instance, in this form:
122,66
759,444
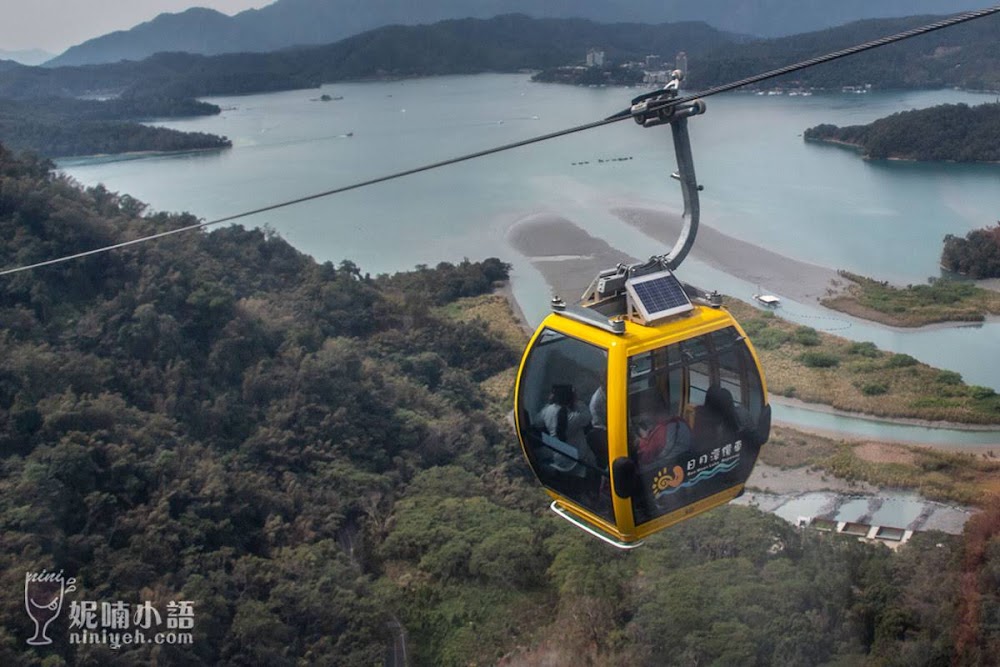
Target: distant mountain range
963,56
288,23
29,57
39,115
506,43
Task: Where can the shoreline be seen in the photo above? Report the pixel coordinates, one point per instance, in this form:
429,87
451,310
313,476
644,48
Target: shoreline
893,421
507,292
135,155
860,150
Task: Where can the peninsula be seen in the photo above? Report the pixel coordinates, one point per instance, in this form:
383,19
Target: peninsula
948,132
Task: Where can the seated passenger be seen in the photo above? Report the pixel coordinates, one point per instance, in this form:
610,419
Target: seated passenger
719,421
661,435
567,419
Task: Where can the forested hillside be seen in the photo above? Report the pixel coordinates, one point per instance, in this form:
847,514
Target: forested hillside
318,458
37,114
954,132
502,44
64,127
962,56
288,23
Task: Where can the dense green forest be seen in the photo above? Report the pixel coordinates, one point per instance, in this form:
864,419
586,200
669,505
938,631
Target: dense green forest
955,132
317,458
963,56
977,255
64,127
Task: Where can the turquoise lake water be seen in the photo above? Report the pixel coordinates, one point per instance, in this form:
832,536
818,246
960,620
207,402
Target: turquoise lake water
763,184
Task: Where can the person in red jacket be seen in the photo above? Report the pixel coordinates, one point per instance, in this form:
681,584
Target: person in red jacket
661,435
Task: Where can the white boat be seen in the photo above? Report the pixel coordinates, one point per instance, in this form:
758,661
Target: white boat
767,300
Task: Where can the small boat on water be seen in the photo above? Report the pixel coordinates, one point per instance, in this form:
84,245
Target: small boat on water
768,300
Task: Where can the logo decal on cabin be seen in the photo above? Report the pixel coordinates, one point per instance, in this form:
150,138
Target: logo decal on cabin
697,469
668,479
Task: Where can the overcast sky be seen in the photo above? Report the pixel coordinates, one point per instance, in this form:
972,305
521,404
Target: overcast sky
55,25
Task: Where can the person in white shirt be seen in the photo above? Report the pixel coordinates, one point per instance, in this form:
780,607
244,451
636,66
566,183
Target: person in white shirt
567,419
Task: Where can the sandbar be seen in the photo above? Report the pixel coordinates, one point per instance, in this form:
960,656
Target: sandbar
791,278
567,257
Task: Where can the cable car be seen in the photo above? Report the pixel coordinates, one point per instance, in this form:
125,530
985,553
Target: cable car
645,404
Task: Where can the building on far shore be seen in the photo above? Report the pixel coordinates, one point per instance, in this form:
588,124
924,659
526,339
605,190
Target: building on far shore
595,58
681,62
656,77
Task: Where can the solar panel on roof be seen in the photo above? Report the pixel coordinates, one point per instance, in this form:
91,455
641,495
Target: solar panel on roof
658,295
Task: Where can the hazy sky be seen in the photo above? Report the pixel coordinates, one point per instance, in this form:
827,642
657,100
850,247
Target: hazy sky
55,25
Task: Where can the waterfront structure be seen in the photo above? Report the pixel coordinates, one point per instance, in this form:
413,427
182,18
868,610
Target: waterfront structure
681,62
595,58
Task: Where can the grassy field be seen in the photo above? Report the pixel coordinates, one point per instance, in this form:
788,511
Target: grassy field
938,475
816,367
914,305
495,312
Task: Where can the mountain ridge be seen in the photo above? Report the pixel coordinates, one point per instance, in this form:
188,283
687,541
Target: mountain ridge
26,56
507,43
288,23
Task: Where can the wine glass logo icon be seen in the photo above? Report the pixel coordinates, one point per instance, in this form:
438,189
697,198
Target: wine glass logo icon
43,599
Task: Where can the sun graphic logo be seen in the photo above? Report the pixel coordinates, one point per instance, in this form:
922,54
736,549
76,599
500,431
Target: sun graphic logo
668,479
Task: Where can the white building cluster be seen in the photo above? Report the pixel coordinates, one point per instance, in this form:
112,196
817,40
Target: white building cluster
595,58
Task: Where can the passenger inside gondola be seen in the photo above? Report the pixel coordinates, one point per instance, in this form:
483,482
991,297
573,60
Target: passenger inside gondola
660,433
567,452
567,420
597,436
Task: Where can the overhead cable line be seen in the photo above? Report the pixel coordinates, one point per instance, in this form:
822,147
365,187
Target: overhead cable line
622,115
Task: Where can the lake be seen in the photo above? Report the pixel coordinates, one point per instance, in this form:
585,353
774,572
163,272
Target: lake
763,184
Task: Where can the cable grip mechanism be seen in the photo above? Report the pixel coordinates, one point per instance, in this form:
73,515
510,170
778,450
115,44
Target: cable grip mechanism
607,291
655,109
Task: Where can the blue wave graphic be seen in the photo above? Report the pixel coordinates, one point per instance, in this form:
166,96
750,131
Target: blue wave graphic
700,477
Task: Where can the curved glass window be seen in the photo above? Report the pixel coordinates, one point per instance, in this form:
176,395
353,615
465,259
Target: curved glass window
562,414
691,407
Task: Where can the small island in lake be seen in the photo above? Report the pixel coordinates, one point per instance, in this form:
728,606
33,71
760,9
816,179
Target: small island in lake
948,132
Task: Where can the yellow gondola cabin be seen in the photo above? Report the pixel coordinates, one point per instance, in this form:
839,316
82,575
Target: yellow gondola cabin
674,414
645,404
